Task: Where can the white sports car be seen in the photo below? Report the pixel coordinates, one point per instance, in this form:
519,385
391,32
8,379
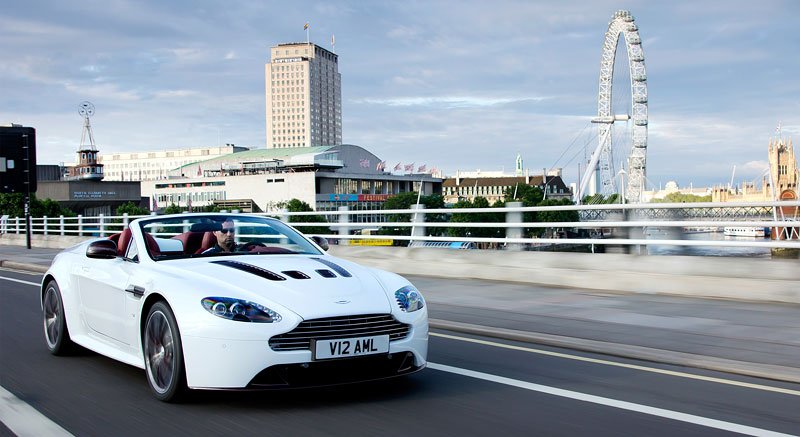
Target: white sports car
231,301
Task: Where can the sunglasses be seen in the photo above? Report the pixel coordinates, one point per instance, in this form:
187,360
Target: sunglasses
227,231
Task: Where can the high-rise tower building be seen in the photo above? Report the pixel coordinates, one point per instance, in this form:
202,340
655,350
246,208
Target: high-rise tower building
304,96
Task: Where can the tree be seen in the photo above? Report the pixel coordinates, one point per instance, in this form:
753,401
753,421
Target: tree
297,205
404,201
677,197
481,217
599,199
13,204
131,208
173,209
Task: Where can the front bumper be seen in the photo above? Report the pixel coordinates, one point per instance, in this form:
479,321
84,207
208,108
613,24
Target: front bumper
240,364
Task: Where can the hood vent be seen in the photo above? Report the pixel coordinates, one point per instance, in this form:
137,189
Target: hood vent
249,268
336,267
325,273
296,274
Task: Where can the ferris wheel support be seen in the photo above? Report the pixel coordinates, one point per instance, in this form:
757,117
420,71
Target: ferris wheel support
602,159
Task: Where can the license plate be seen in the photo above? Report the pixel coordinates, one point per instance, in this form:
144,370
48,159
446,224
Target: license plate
350,347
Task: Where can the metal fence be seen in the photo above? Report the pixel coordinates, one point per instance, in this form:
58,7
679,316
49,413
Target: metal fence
617,225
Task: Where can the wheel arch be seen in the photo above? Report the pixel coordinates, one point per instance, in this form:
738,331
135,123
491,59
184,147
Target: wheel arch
149,301
47,278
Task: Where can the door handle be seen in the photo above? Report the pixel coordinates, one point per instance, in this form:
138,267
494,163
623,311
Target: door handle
135,290
85,269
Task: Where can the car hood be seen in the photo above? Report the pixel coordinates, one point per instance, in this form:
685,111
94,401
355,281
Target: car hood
310,286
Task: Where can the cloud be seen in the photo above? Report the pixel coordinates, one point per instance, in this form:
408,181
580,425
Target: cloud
174,93
105,91
448,101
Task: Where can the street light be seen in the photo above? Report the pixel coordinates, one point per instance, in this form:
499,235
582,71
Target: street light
621,174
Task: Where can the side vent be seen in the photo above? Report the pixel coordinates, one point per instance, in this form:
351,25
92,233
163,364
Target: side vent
336,267
296,274
325,273
249,268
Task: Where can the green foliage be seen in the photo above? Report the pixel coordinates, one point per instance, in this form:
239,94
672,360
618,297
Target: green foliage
131,208
682,198
557,216
599,199
173,209
529,195
481,217
297,205
405,201
13,204
208,208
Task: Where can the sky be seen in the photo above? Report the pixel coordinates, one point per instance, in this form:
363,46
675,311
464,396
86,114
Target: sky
456,85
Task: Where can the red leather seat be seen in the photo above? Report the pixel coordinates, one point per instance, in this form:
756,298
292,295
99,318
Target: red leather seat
192,241
152,245
209,241
124,241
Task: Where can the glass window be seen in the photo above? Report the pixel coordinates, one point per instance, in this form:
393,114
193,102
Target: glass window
133,252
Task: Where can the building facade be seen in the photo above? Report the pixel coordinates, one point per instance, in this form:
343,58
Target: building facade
152,165
783,173
303,96
325,177
493,187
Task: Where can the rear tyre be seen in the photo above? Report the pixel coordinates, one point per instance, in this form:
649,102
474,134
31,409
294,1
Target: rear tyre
55,324
163,354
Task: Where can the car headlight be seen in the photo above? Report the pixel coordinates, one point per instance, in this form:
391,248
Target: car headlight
409,299
240,310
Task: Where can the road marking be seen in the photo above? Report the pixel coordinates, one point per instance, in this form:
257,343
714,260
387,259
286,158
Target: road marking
660,412
24,272
24,420
627,366
21,281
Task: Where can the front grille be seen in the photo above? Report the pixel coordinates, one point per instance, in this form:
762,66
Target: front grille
339,327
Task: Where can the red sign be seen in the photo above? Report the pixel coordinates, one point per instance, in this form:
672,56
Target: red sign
372,197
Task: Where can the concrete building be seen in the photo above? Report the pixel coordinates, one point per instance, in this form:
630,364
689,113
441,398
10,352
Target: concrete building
493,185
152,165
91,197
304,96
673,187
325,177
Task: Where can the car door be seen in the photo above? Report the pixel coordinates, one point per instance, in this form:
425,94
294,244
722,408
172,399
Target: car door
103,284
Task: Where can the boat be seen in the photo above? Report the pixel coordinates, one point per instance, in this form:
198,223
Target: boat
744,231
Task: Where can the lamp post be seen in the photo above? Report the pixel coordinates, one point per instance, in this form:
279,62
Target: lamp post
27,192
621,174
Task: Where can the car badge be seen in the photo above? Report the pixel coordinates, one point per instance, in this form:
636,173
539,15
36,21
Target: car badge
342,302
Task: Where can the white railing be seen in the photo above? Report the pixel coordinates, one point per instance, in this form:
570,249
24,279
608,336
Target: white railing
624,229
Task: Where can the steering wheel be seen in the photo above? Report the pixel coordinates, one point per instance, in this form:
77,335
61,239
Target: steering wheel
252,246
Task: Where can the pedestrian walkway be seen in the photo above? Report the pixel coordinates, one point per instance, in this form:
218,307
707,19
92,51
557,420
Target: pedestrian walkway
749,338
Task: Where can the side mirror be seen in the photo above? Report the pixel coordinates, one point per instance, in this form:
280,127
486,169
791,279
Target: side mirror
321,242
102,249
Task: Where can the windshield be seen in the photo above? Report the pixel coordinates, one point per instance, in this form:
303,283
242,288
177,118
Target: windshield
208,235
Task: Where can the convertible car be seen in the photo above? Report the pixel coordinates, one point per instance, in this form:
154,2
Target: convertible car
231,301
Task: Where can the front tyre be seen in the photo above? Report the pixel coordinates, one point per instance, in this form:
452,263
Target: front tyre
163,354
55,324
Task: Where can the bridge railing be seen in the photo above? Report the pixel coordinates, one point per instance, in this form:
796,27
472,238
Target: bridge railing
606,224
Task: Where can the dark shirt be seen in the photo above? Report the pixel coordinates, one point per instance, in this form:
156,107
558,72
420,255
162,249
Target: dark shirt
218,249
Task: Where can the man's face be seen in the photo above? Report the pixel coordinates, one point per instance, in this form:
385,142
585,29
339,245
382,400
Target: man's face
225,236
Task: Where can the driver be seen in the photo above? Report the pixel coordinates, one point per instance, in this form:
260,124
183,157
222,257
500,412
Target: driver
225,240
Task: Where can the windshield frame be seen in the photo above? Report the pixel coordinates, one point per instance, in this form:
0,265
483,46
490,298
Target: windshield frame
183,223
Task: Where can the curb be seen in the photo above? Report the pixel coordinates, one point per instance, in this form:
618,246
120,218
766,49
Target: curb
765,371
35,268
